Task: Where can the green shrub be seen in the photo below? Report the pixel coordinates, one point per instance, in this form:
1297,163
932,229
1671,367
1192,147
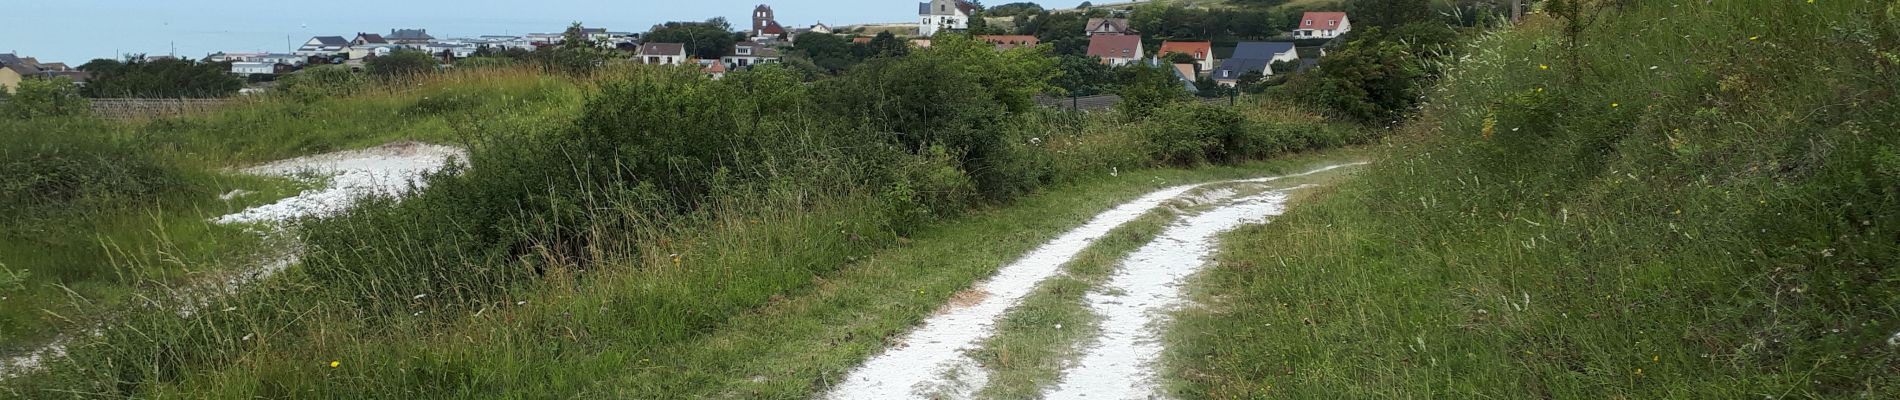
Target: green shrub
1192,133
41,98
320,82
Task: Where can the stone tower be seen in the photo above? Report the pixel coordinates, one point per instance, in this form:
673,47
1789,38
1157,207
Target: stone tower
762,18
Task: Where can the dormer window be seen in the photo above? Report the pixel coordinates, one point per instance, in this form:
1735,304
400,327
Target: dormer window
1332,23
1309,22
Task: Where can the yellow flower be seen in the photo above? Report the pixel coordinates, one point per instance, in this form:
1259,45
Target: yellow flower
335,363
1540,90
1615,105
1542,66
1754,37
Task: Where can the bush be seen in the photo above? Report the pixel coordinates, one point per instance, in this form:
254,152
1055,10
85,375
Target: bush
1190,133
402,63
54,169
319,82
40,98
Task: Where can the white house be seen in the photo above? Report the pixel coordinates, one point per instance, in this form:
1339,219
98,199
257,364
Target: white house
747,54
281,58
662,54
234,57
358,52
941,15
457,50
323,46
1322,25
253,68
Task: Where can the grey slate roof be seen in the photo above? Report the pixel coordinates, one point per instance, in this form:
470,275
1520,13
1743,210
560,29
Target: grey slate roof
9,59
409,34
660,49
1233,68
332,40
1261,50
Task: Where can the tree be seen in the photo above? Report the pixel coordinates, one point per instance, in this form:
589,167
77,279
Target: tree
40,98
163,78
401,63
707,40
1144,89
1082,76
1387,13
827,51
888,45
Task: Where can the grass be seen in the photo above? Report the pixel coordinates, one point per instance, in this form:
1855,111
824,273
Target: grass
1696,208
88,260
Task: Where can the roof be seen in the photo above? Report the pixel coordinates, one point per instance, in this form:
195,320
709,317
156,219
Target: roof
76,76
1006,42
1115,46
1200,50
9,59
331,40
716,68
759,50
1114,25
1186,71
409,34
772,28
371,38
1260,50
22,69
1232,69
663,48
1320,19
58,66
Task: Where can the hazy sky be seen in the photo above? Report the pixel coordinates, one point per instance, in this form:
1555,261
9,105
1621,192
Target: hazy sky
76,31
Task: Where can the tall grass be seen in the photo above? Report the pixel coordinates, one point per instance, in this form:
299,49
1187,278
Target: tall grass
1693,201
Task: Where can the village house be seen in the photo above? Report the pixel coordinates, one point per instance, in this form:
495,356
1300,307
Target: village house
358,52
1253,57
1203,53
716,70
748,54
409,36
14,69
1322,25
1116,50
364,39
282,58
323,46
234,57
246,68
1006,42
819,28
1109,26
662,54
941,15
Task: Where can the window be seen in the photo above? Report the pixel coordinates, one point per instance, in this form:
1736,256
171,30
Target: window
1332,23
1309,22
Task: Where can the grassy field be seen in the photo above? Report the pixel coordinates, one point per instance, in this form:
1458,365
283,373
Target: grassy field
646,232
1689,200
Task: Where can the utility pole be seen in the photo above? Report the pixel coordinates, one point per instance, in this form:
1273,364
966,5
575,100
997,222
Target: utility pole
1517,11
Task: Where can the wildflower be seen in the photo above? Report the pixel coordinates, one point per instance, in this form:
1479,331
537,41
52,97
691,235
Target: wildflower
1543,67
335,363
1615,105
1754,37
1540,90
1655,358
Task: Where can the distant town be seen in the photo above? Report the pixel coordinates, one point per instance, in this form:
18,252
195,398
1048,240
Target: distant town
1106,35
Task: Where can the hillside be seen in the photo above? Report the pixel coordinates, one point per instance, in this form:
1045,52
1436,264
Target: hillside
1653,200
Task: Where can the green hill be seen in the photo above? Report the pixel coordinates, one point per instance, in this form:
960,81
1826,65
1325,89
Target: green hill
1637,200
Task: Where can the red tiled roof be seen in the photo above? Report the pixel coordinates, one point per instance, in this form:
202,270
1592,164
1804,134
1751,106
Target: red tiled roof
1321,20
1200,50
1115,46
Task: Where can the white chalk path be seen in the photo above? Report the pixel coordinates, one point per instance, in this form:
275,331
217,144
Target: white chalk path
934,361
1138,297
389,170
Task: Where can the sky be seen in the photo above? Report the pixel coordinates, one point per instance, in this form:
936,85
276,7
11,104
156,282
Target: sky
76,31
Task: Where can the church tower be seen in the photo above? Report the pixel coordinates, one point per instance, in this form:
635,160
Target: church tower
761,19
